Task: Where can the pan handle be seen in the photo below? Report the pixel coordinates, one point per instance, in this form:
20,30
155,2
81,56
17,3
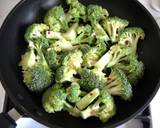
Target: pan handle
8,120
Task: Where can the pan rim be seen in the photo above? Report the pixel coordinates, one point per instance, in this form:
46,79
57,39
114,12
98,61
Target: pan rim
34,116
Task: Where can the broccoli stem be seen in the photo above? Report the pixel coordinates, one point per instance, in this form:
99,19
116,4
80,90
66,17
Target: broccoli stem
103,61
87,99
74,111
91,110
115,90
71,33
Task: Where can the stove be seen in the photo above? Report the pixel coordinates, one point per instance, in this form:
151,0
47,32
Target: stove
149,118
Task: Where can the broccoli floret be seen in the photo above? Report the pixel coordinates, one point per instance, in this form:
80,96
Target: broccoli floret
70,64
73,93
103,108
52,58
73,59
56,19
28,59
64,73
130,36
54,99
76,11
87,99
85,35
94,78
75,35
62,42
37,74
35,33
136,74
125,59
118,84
71,34
133,68
117,53
99,32
92,56
96,13
90,79
113,26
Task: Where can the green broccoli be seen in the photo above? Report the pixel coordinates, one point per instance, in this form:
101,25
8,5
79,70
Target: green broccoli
87,99
130,37
52,58
113,26
36,33
117,53
96,13
74,36
76,11
64,73
56,19
28,59
134,69
71,34
37,74
85,35
70,64
118,84
103,108
90,79
61,45
94,78
73,59
92,56
53,99
73,93
125,59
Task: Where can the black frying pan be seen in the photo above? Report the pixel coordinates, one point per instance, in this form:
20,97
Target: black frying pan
12,45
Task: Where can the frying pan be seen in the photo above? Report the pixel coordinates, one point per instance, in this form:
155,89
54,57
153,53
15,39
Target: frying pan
12,45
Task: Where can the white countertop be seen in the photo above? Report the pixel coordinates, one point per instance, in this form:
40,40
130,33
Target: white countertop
7,5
